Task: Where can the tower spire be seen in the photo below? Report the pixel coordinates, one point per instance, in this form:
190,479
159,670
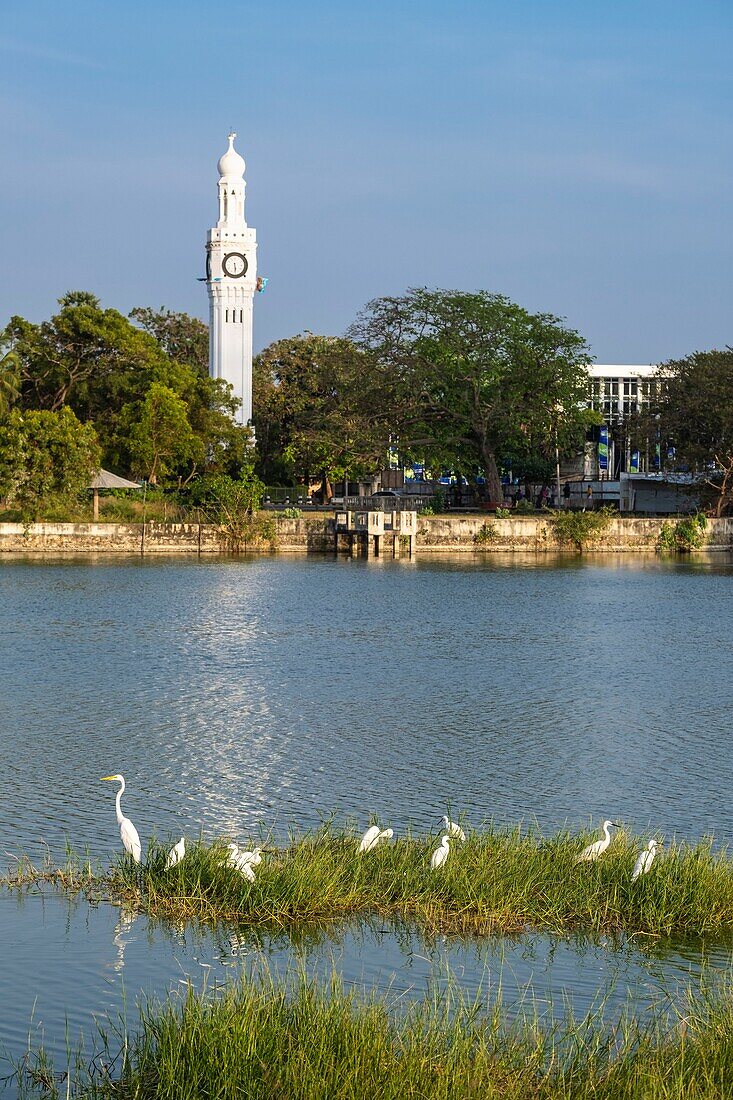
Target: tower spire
231,270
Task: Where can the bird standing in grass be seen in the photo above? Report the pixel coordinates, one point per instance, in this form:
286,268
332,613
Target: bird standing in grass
595,850
253,858
241,861
645,859
176,854
373,837
128,832
452,829
440,854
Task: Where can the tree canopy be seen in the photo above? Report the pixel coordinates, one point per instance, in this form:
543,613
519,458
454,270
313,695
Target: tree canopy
480,380
694,408
322,406
143,387
45,455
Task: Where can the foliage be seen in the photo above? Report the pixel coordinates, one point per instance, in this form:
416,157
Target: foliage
694,413
580,528
321,406
480,379
9,381
108,371
684,535
485,535
503,513
45,455
524,506
183,338
233,505
290,513
504,880
160,437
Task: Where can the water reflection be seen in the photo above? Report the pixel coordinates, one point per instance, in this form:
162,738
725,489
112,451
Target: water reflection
73,964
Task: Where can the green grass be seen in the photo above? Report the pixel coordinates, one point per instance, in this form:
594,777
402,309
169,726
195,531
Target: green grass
497,882
269,1041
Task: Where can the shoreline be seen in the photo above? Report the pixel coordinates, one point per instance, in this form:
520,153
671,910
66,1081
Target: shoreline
478,534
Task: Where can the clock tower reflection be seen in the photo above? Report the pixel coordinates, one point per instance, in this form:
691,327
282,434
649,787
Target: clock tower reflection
231,279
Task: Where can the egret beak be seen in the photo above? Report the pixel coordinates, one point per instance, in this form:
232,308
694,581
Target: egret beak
107,777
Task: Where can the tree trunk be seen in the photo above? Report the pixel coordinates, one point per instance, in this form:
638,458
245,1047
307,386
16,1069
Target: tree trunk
326,489
494,488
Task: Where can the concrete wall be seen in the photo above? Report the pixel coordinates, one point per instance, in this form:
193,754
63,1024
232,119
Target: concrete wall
535,533
445,533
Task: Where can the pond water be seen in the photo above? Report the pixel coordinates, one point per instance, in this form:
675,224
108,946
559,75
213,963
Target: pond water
245,694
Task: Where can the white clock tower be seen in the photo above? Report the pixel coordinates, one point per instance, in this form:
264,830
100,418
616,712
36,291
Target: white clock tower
231,278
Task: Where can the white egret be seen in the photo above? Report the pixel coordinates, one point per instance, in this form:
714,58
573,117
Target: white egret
373,837
453,829
176,854
595,850
239,861
128,832
254,857
440,854
645,860
369,838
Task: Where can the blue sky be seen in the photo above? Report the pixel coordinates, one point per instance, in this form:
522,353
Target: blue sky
577,157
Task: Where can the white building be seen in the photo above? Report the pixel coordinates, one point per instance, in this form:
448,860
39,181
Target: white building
231,279
618,392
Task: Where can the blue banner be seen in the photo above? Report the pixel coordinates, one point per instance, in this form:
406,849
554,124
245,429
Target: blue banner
635,462
603,448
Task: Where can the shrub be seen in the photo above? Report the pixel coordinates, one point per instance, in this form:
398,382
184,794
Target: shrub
485,535
290,513
684,535
580,528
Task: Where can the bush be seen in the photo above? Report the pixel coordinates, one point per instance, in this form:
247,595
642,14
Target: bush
524,506
580,528
290,513
684,535
485,535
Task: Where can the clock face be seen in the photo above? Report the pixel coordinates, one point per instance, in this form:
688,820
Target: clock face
208,265
234,265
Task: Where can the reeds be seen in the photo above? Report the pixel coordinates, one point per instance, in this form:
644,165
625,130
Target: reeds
498,881
262,1041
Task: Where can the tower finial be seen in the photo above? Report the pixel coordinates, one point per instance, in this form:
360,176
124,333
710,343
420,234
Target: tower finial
231,135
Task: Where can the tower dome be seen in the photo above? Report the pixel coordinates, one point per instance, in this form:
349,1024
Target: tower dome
231,165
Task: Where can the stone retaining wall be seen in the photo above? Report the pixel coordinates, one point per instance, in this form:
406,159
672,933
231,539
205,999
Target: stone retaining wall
314,534
535,533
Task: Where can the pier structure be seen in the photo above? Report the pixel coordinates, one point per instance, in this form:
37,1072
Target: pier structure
364,533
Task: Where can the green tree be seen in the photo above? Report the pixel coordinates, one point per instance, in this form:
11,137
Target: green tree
9,380
44,455
160,437
480,379
98,363
181,337
324,406
694,412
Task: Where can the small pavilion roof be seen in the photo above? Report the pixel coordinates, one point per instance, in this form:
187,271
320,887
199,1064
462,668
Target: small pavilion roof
104,479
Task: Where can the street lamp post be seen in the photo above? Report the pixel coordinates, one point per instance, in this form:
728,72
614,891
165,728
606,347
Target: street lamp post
559,410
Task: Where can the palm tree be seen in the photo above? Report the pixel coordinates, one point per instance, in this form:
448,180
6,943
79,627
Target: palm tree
9,380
